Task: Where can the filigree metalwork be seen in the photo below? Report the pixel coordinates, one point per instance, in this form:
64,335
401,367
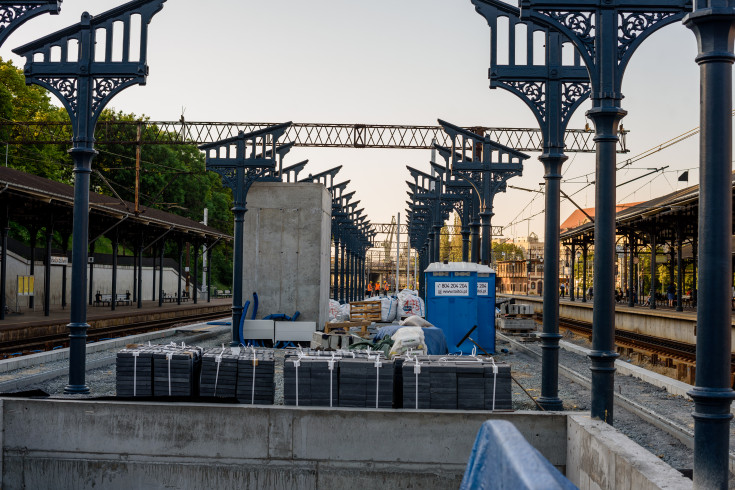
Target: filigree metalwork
10,13
14,14
535,95
228,176
581,23
105,88
571,94
633,24
66,89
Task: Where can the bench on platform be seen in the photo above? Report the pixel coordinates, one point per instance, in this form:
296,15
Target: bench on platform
218,293
122,299
174,298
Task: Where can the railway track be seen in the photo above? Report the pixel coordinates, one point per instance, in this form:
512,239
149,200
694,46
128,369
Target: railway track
51,342
648,414
679,355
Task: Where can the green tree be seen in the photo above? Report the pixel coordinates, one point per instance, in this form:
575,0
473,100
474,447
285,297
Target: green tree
21,102
507,251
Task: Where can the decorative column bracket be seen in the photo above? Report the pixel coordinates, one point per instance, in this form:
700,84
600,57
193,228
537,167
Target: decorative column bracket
13,14
487,166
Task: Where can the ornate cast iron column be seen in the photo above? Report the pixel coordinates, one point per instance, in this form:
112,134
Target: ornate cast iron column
605,34
552,91
85,80
713,23
240,161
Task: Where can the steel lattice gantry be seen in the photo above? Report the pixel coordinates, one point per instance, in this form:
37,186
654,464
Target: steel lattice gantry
85,78
301,134
553,91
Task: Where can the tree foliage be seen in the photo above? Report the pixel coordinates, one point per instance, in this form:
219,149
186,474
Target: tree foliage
507,251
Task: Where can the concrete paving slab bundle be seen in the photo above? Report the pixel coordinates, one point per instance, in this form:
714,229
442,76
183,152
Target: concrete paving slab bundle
134,371
255,377
317,379
360,379
219,373
498,394
176,370
416,384
450,383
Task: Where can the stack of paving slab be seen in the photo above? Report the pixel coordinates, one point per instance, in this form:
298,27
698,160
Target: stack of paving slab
219,373
135,371
516,318
176,370
451,383
244,374
311,381
255,371
366,382
341,378
158,370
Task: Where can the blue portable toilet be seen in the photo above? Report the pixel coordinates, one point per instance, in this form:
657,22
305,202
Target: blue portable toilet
451,301
485,333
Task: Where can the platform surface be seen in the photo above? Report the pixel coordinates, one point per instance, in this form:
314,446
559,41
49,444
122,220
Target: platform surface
59,315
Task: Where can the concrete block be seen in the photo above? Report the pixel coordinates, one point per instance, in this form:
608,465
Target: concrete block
325,341
286,248
516,323
294,331
258,329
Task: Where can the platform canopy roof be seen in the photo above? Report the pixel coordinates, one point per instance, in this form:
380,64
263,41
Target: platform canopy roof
662,216
34,201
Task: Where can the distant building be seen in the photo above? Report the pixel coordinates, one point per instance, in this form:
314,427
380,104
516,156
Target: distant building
520,276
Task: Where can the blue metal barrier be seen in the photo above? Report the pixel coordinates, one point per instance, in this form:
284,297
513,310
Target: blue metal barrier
502,458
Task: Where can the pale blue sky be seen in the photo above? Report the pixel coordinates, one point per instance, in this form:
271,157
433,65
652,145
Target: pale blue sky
383,62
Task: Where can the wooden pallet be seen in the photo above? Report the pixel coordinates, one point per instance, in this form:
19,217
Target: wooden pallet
332,326
365,311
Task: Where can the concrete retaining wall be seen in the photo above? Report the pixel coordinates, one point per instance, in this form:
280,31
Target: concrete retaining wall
75,444
104,444
600,457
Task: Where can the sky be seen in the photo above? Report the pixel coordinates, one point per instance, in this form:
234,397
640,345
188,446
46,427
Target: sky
387,62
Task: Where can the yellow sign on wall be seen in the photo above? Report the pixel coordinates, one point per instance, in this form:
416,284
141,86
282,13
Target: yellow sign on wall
25,285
